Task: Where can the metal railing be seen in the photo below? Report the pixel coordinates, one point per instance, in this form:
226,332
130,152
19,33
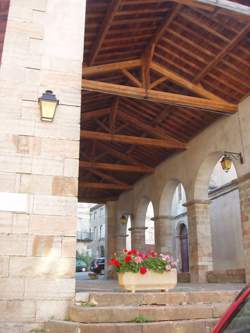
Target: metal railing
84,236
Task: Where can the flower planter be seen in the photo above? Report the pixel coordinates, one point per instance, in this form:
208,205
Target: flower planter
149,281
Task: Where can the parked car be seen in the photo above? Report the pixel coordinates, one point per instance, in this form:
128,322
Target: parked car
237,317
81,266
97,265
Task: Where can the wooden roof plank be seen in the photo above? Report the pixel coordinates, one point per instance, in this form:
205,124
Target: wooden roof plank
223,53
105,26
196,88
225,4
116,167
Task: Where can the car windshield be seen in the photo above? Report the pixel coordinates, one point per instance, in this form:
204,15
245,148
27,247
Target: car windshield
240,321
100,261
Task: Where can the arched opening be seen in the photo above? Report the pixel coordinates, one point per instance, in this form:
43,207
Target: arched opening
128,234
180,227
224,213
150,227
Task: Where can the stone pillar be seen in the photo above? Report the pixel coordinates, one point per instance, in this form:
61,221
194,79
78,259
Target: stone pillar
39,161
110,233
200,244
120,242
163,234
244,191
138,238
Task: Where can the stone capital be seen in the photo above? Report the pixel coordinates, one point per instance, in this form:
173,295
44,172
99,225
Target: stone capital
162,217
122,235
138,228
196,202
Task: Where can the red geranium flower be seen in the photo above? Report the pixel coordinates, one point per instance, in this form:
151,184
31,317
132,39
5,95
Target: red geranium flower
115,262
153,254
128,259
143,270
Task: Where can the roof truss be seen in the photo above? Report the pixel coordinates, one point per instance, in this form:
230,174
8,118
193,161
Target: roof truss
160,97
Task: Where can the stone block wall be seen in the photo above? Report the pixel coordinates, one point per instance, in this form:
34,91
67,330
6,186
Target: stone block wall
43,49
244,190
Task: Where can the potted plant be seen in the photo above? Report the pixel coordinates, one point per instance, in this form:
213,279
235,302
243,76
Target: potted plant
141,271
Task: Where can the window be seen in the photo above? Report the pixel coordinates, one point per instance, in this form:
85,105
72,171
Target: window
101,211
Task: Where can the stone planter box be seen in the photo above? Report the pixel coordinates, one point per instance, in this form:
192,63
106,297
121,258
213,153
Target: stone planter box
149,281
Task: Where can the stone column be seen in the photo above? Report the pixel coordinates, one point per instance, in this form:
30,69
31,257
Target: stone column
43,49
138,238
110,233
200,244
244,192
120,242
163,234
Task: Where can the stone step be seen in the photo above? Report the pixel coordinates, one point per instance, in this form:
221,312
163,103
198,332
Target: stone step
122,314
184,326
156,298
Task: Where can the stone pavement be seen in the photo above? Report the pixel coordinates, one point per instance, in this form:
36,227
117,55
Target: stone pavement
104,285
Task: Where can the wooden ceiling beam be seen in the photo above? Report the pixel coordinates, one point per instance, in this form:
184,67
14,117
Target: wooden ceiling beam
96,199
235,41
196,88
225,4
95,114
104,175
158,81
105,26
132,78
132,140
160,97
149,51
116,167
101,69
104,186
113,114
157,132
117,154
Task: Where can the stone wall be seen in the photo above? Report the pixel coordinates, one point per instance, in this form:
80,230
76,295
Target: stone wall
224,212
39,161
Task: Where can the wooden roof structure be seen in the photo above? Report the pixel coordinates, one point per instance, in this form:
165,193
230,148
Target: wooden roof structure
155,74
4,9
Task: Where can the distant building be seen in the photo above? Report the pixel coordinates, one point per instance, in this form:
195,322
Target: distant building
97,230
84,236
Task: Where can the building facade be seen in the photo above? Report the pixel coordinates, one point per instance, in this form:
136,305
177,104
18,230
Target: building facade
98,231
83,235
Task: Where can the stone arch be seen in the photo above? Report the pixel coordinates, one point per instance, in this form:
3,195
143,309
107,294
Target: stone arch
166,197
140,213
201,181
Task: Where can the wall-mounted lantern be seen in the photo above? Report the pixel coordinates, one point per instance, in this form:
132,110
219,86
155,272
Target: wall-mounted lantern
227,160
123,220
48,104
